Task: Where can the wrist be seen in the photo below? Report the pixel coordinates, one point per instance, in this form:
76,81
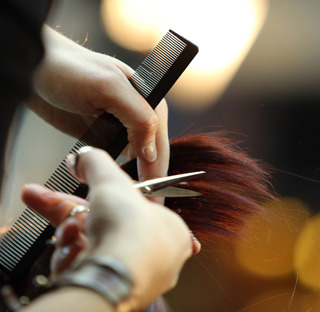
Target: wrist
104,276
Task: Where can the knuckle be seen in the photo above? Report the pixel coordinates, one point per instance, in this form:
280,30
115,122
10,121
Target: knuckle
109,81
151,123
143,131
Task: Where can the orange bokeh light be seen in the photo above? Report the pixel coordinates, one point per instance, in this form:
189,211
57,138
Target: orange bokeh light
268,250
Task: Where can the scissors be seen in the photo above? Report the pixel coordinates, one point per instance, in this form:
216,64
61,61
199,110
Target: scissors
162,187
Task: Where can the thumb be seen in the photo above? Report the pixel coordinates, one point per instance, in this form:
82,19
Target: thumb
111,192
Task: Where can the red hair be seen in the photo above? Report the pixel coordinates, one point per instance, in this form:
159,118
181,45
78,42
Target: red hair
234,185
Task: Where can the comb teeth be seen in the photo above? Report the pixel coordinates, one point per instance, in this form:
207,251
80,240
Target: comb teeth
27,229
21,236
61,180
157,63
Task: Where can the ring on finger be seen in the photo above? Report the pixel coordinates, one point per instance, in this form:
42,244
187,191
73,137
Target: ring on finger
78,209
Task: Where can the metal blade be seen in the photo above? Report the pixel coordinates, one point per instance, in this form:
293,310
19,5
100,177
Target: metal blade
150,186
172,191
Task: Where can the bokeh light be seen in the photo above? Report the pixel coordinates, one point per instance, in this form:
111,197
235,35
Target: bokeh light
223,30
268,250
291,299
307,254
132,24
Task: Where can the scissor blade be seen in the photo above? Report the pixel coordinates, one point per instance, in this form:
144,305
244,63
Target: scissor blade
172,191
149,186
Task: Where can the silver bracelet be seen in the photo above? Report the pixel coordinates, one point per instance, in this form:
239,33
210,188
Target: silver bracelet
103,275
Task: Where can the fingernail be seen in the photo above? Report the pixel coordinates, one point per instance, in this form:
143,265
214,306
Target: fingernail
196,245
84,149
71,161
150,152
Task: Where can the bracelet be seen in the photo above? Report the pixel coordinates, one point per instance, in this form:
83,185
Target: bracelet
103,275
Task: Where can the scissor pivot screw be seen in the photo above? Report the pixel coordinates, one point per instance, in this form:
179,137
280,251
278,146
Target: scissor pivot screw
147,190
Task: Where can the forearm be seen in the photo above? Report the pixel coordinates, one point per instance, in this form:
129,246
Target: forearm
71,299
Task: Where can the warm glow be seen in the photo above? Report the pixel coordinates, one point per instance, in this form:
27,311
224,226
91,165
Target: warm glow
268,250
289,298
132,24
223,30
307,254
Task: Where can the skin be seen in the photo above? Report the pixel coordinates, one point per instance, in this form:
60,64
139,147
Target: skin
73,85
116,226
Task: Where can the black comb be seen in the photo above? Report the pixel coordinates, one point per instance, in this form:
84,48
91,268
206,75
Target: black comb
26,239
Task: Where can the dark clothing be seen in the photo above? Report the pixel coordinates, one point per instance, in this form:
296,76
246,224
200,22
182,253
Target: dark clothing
21,51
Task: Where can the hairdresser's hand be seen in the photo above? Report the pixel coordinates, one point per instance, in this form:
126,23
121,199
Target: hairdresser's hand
130,228
70,235
74,85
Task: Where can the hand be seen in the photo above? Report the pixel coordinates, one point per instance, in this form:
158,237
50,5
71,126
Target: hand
73,85
70,233
121,223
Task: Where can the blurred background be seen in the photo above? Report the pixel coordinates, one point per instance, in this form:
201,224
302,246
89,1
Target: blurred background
257,74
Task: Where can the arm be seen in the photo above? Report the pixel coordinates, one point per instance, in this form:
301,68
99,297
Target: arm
67,299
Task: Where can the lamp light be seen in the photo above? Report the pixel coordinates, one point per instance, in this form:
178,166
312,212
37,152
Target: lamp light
223,30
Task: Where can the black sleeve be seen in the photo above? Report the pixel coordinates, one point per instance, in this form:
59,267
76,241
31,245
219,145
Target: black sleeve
21,51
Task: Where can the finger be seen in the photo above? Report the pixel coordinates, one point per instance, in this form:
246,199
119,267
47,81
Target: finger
53,206
109,187
158,168
67,232
126,69
122,100
196,245
70,243
94,167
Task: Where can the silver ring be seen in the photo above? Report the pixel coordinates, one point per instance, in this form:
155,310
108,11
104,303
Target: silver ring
78,209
